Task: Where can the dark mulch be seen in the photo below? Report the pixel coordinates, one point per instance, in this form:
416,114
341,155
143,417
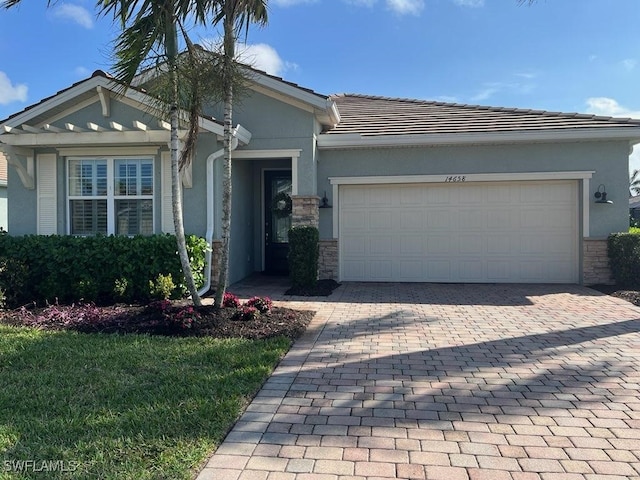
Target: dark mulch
322,288
147,320
632,296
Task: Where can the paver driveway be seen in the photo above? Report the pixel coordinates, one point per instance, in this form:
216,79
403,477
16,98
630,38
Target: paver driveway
448,382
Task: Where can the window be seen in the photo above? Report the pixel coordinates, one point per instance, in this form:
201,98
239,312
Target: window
110,196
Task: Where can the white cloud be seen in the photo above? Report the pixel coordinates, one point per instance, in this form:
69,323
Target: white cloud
11,93
75,13
81,71
469,3
609,107
519,88
406,7
629,63
264,57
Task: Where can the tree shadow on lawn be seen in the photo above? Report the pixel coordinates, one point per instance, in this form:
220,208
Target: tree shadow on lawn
124,406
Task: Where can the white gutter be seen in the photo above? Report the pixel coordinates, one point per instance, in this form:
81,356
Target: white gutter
245,136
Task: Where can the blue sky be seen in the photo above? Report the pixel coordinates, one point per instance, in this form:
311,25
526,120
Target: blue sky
557,55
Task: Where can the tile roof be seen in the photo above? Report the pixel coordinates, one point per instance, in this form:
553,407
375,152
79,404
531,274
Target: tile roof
379,116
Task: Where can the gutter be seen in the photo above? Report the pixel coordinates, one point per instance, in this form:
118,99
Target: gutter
239,133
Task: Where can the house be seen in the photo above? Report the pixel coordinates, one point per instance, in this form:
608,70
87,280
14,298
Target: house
3,193
634,207
401,190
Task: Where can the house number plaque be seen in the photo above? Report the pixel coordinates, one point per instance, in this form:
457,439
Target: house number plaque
455,179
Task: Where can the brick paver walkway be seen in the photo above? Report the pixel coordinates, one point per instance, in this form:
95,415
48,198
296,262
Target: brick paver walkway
448,382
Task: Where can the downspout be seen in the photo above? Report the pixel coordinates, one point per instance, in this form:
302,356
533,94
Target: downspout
210,213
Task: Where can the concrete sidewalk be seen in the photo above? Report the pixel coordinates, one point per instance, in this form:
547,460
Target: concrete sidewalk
425,381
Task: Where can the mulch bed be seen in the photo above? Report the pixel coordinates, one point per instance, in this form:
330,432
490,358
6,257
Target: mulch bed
144,320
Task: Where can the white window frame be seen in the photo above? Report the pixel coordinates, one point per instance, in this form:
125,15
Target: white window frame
111,197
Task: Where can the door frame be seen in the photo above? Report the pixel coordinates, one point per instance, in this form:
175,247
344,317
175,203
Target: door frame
263,208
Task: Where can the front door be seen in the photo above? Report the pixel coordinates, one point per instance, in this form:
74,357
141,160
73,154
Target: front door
277,202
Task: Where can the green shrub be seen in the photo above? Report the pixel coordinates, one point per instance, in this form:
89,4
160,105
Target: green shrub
624,258
53,268
13,279
122,289
635,230
303,255
162,287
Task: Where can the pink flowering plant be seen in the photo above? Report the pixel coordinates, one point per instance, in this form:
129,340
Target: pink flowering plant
263,304
252,309
183,316
230,300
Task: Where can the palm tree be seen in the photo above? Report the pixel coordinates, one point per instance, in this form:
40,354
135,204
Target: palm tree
634,183
236,16
147,26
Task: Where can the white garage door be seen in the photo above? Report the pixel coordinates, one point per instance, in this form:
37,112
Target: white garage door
502,232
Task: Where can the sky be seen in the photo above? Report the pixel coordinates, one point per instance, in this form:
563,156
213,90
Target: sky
555,55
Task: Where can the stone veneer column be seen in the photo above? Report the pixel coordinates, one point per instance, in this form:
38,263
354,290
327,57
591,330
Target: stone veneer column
328,261
595,262
304,210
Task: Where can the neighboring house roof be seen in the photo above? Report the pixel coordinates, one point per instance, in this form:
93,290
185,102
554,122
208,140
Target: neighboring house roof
634,202
3,169
374,120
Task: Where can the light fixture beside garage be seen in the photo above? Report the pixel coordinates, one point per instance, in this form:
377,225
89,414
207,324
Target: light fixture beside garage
601,195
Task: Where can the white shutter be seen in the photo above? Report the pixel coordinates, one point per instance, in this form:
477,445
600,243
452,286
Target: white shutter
165,204
46,185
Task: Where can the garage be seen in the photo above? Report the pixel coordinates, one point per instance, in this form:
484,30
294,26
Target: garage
475,232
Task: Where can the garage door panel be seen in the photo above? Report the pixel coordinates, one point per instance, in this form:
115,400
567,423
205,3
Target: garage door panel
482,232
381,245
381,220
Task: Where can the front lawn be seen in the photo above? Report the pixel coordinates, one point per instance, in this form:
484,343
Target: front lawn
111,406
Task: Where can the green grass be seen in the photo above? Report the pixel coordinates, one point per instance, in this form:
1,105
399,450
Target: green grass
122,406
635,230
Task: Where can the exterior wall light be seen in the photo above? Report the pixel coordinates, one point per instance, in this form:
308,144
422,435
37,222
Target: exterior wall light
324,202
601,195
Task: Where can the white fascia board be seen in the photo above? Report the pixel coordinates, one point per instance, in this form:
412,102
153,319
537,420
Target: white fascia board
87,138
289,90
337,141
457,178
242,134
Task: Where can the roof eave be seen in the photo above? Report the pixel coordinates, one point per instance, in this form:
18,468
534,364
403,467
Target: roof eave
337,141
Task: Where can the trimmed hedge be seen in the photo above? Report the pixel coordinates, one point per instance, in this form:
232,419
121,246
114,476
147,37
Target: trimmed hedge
304,251
66,269
624,258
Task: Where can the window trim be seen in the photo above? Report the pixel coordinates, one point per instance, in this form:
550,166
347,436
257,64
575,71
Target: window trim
111,196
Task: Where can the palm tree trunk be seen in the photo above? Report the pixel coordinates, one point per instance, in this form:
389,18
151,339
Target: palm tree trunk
176,184
228,58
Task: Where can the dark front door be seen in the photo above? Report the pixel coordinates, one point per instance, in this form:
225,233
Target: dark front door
277,202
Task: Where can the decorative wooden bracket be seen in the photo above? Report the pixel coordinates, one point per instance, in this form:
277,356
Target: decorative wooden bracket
104,96
24,172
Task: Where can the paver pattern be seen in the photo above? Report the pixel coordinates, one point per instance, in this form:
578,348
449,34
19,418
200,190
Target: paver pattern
447,382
